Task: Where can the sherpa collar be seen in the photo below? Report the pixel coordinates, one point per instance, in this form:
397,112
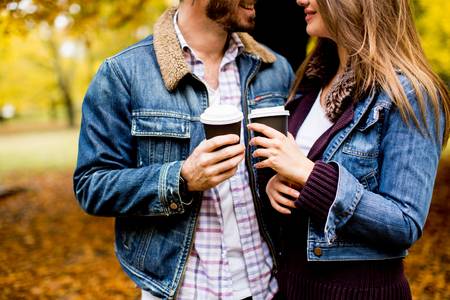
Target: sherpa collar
170,56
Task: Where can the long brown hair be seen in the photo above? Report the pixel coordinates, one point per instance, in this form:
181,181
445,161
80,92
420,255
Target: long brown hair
381,40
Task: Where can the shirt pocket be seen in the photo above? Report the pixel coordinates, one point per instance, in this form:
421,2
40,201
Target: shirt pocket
162,136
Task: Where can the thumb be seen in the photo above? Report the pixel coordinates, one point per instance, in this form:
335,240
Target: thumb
290,136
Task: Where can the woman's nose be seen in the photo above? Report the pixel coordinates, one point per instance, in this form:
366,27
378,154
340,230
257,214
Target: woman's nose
303,2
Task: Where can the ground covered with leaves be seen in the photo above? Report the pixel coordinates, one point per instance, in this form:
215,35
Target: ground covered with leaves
50,249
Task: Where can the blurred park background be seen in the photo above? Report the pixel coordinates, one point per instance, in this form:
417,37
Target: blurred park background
49,51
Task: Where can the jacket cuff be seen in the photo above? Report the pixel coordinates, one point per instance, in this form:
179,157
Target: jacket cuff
169,188
319,192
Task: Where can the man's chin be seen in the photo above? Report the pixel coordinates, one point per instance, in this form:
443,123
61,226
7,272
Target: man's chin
241,27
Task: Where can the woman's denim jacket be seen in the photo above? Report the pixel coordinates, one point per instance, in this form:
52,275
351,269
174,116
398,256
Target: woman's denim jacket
140,121
386,176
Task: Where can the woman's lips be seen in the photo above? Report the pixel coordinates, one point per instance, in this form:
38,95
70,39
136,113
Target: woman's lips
309,14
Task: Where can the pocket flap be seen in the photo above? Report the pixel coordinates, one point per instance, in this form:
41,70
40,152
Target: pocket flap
160,124
375,115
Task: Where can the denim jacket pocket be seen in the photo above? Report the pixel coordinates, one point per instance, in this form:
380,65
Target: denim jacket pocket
162,136
362,147
132,240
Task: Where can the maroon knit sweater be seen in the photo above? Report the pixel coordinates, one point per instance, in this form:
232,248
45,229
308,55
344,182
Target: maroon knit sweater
300,279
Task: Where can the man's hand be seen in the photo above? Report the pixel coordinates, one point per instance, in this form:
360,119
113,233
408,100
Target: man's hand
206,168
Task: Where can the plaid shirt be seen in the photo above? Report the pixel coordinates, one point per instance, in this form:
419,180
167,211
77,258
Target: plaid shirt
208,274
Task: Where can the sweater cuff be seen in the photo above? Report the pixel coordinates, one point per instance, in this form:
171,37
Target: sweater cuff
319,191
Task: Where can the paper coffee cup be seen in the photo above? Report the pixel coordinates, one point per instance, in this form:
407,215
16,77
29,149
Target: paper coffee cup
275,117
221,119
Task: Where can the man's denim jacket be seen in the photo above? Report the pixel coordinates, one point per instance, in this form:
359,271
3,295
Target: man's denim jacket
140,122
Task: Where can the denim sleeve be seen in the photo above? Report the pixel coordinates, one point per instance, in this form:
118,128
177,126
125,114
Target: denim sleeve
287,70
107,181
395,215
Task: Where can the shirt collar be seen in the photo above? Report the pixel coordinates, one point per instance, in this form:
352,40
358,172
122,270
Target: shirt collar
180,37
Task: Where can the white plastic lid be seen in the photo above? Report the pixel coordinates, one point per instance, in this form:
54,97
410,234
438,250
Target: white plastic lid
268,112
220,114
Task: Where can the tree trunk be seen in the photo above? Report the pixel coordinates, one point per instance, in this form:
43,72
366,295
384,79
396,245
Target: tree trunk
63,84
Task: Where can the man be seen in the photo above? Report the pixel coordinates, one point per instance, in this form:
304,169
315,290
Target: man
189,220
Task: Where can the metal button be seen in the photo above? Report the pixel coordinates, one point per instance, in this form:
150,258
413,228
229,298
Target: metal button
317,251
173,206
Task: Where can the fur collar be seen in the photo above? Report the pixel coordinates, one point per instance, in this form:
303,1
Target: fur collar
170,56
319,71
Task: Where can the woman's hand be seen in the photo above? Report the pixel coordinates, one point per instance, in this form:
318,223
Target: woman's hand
281,195
282,154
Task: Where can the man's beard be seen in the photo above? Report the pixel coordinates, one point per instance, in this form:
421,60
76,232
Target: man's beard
224,12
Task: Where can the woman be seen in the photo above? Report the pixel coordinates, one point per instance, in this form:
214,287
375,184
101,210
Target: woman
355,175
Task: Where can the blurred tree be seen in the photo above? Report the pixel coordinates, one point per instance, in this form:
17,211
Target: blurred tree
76,34
433,23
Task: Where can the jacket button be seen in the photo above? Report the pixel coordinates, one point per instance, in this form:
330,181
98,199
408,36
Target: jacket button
317,251
173,206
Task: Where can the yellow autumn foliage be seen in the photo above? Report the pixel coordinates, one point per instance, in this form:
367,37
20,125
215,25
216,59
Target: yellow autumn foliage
433,24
